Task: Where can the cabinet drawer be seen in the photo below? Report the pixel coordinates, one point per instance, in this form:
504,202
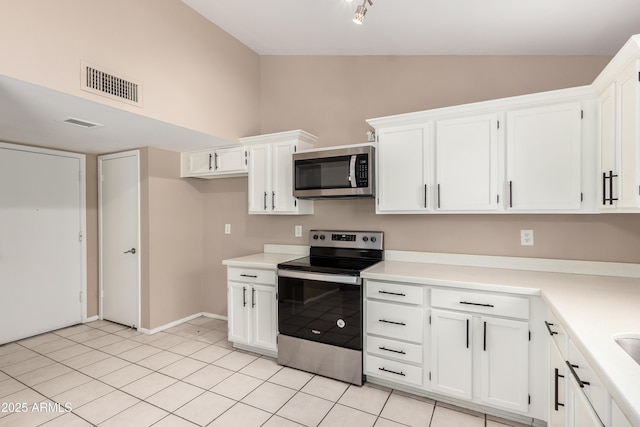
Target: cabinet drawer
394,292
251,275
476,302
594,391
394,371
395,321
392,349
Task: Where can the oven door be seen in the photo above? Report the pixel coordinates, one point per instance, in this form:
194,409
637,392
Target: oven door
311,307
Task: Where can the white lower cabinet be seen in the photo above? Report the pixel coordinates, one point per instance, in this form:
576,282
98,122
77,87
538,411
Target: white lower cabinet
252,309
581,414
394,333
500,345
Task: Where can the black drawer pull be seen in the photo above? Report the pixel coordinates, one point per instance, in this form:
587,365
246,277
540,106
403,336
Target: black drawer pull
556,388
475,303
249,275
575,375
392,372
392,293
393,323
393,351
549,325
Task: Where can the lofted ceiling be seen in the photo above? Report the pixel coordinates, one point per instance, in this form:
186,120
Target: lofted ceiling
427,27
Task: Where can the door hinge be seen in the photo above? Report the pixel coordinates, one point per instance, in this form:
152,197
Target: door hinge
429,319
529,335
497,199
498,124
581,197
295,202
80,236
639,76
529,399
81,296
581,114
429,375
295,148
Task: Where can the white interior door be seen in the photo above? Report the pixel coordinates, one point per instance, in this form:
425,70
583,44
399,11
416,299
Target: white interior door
119,217
42,255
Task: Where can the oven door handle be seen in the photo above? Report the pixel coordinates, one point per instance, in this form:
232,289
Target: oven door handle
320,277
352,172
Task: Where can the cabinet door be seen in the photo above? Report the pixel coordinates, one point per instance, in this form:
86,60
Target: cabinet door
504,361
451,357
281,197
404,165
467,164
238,306
628,118
617,417
259,179
201,162
582,414
544,158
607,143
230,160
557,388
263,302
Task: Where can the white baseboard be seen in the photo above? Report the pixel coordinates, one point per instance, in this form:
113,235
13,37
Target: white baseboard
179,322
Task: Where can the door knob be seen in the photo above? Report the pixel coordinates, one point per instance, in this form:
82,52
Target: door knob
130,251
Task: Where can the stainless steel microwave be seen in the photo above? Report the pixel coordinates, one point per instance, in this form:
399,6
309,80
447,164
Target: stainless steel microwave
337,173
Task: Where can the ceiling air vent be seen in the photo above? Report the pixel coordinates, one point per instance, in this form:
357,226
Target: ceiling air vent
81,123
111,86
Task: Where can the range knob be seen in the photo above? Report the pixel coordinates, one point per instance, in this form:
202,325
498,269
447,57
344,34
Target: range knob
373,238
365,238
322,237
315,237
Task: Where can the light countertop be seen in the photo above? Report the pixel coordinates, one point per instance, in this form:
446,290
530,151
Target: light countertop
593,309
261,260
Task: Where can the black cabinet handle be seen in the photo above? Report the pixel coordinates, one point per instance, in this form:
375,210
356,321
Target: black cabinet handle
253,297
575,375
549,325
476,304
484,337
392,372
265,200
210,156
273,200
604,188
393,323
215,163
244,296
391,350
249,275
611,176
510,194
467,333
555,399
425,196
438,196
392,293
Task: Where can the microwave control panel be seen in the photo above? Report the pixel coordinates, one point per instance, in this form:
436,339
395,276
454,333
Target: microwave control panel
362,170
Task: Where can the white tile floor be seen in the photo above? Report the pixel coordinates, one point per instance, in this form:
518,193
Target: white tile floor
104,374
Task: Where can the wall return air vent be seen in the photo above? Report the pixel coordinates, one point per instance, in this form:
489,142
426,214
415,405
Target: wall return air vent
81,123
106,84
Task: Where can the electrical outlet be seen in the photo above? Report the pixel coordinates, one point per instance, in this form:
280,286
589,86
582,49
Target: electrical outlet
227,229
526,237
298,231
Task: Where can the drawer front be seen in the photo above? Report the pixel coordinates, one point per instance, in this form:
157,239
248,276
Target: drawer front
476,302
392,349
594,391
395,321
394,292
393,371
251,275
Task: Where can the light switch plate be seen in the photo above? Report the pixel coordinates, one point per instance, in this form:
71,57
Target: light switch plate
227,229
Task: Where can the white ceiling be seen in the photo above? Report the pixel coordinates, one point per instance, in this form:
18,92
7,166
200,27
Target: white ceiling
427,27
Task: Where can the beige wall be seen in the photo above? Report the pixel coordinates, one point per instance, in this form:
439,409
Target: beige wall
332,96
172,236
193,74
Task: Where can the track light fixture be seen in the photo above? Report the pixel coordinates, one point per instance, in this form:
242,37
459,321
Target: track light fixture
361,11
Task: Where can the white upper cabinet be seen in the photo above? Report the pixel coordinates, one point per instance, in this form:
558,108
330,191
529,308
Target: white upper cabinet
544,158
271,173
619,140
215,163
404,168
467,160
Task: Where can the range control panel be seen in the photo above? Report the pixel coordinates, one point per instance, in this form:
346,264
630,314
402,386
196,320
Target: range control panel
346,239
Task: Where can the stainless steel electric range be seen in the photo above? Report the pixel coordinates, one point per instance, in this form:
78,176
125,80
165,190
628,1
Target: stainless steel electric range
320,304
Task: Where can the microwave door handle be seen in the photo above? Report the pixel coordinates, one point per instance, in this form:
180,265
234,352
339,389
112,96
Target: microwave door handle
352,172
